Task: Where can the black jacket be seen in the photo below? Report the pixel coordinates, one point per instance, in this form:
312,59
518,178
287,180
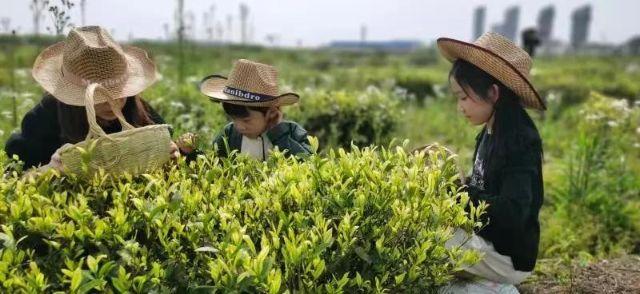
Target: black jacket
514,194
40,136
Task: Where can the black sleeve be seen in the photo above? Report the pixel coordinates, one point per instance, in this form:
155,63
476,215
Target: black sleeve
510,207
39,137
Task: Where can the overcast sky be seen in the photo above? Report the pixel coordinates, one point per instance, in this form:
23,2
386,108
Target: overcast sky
317,22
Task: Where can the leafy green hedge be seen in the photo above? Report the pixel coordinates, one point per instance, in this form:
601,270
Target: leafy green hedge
367,220
340,118
421,83
598,183
573,78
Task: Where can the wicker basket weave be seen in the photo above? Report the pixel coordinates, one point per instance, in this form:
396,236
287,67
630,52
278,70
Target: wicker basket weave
133,150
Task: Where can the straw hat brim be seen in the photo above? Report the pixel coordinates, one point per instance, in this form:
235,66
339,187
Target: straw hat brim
47,71
213,87
494,65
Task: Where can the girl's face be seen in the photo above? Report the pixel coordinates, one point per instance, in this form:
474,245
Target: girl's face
476,109
251,126
103,110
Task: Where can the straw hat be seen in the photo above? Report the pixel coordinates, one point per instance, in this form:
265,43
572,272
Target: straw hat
499,57
90,55
250,84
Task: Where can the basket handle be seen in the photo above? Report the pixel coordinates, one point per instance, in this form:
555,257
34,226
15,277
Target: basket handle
94,128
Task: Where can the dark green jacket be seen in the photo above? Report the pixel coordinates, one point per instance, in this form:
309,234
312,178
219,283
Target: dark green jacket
288,136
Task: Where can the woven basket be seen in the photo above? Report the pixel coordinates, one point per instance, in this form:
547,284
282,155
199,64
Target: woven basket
133,150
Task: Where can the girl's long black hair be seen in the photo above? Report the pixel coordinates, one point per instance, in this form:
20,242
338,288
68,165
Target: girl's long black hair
513,130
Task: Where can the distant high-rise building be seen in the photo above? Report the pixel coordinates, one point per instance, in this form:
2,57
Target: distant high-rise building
363,34
219,31
230,27
580,20
6,24
244,14
167,32
83,11
510,26
497,28
479,15
545,23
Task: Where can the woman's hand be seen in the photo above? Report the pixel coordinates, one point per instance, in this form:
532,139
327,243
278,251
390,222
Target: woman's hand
56,161
173,150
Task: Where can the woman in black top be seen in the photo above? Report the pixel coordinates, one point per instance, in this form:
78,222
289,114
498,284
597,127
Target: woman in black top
490,80
51,124
65,70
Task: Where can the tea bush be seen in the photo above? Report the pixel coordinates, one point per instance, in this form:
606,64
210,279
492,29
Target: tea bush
361,221
340,118
591,165
421,83
599,184
572,78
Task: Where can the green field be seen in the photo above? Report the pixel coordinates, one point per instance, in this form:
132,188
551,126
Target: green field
591,136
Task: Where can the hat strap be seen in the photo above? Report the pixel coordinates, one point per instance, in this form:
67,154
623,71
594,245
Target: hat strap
247,94
94,128
83,82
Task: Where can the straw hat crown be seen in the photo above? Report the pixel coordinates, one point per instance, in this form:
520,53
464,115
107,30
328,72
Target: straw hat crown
254,77
90,55
249,83
506,49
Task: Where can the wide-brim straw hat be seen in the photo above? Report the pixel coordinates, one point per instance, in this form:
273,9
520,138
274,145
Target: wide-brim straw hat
249,84
499,57
90,55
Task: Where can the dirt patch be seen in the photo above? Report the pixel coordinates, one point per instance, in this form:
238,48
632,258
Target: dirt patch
620,275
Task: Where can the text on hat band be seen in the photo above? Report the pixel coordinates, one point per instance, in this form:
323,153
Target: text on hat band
246,94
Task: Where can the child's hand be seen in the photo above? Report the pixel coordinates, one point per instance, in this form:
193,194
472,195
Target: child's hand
187,142
274,117
173,151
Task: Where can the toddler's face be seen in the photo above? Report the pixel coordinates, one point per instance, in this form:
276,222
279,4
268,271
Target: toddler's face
251,126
